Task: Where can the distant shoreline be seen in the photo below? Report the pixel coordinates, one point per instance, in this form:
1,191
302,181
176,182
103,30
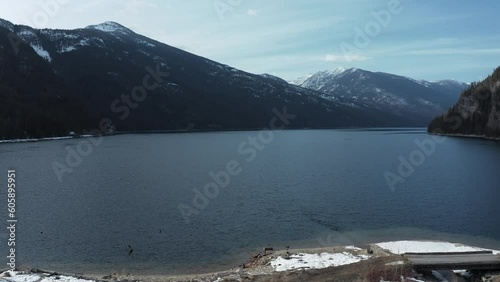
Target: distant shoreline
10,141
484,137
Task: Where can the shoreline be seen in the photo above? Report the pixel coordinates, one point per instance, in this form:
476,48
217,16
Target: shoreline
33,140
458,135
44,139
216,276
16,141
320,241
268,263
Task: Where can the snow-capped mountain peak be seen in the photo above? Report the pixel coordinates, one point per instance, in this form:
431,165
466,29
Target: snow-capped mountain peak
385,92
338,70
318,76
300,80
109,27
321,80
448,81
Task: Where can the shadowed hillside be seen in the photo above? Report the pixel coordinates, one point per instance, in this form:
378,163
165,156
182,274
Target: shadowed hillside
476,113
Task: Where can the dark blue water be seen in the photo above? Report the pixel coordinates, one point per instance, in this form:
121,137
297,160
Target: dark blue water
305,188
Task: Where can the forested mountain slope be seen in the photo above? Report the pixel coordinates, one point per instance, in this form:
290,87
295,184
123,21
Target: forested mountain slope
476,113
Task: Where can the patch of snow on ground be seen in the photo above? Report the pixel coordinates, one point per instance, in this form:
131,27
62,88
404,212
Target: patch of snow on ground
463,273
41,52
145,53
315,261
354,248
146,43
84,42
57,35
396,263
26,33
401,247
28,36
69,36
67,49
14,276
81,43
416,280
43,139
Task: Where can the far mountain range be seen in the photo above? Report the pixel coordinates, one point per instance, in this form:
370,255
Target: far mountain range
53,82
416,101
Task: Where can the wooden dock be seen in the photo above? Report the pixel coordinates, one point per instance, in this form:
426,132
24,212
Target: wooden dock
483,260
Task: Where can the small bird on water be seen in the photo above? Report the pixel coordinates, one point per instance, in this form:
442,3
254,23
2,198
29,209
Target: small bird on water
131,250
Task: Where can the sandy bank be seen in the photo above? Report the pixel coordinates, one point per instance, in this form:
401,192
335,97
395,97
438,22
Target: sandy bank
348,263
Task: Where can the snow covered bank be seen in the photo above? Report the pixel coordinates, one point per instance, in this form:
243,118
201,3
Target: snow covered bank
315,261
276,263
44,139
15,276
35,140
354,248
401,247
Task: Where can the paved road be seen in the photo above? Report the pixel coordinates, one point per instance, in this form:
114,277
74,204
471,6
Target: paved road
455,261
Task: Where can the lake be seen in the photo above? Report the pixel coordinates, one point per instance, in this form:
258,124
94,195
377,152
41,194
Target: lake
304,188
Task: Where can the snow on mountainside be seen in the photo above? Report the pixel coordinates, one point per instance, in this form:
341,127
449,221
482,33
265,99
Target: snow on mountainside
47,43
385,92
300,80
41,52
110,27
29,36
90,68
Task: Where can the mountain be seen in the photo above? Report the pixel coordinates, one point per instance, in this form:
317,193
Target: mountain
476,113
416,101
53,82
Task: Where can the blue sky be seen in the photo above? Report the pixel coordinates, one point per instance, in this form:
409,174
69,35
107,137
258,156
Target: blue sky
426,39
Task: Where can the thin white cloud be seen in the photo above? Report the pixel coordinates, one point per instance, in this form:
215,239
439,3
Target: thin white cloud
252,12
346,58
454,51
